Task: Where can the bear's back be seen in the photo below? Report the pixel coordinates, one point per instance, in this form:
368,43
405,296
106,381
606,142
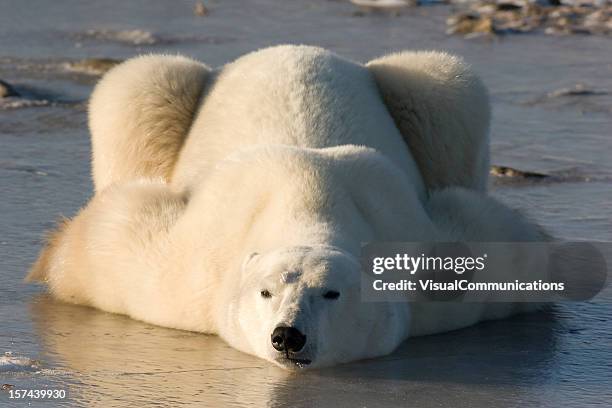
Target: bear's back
291,95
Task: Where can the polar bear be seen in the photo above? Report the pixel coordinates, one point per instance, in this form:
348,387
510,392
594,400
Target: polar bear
234,201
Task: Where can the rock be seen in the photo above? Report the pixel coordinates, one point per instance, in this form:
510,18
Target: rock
200,9
519,16
576,90
508,7
581,97
6,90
93,66
470,24
383,4
387,7
125,37
509,172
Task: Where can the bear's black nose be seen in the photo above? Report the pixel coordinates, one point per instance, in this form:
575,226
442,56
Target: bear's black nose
288,339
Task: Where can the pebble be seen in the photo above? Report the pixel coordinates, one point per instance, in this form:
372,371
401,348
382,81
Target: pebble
503,171
388,7
470,24
6,90
200,9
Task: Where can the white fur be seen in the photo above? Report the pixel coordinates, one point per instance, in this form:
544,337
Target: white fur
442,110
139,115
292,161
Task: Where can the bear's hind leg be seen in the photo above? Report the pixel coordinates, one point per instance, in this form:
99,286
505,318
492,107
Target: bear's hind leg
139,115
442,110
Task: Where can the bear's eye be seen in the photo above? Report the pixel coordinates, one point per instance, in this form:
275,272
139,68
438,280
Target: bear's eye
331,294
265,293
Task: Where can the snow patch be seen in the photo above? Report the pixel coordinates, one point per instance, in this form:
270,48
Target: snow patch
17,364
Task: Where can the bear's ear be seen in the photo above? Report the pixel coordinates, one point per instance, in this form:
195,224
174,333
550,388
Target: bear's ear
441,108
249,258
39,270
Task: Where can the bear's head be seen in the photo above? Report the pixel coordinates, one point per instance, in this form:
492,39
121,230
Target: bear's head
301,307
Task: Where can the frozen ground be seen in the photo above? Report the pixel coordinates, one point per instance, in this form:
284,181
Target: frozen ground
560,358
